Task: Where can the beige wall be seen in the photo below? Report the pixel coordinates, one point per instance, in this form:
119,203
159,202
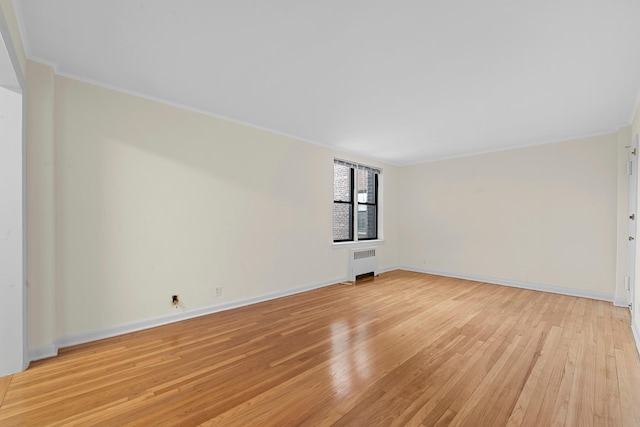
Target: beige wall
41,271
154,200
132,200
542,215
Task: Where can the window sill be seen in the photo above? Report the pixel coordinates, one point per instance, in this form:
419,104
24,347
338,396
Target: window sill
359,244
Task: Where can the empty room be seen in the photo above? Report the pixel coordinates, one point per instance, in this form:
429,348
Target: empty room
274,213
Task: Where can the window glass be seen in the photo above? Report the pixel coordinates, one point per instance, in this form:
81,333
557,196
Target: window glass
355,202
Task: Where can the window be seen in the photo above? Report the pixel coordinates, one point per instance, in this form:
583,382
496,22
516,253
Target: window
355,202
342,202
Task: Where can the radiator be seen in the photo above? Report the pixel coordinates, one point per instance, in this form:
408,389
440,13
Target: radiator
362,261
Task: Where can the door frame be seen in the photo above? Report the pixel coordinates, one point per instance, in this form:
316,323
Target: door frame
632,219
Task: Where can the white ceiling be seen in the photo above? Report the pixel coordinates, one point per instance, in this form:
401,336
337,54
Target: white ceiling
400,81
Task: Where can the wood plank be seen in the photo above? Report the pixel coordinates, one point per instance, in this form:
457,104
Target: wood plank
402,349
4,386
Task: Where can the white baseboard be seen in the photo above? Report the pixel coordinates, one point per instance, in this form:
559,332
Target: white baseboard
388,269
621,302
43,352
517,284
50,350
636,335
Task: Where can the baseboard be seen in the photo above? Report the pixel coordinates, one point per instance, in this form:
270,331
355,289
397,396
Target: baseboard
517,284
43,352
84,337
621,302
51,350
388,269
636,335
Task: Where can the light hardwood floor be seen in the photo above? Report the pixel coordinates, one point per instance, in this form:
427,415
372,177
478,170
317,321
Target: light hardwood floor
401,349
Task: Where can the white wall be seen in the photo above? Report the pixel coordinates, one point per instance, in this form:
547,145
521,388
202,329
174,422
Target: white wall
12,333
13,349
543,215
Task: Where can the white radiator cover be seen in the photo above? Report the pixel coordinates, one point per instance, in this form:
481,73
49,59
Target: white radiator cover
362,261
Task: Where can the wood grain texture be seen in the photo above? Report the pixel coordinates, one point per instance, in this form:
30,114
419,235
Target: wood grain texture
4,386
403,349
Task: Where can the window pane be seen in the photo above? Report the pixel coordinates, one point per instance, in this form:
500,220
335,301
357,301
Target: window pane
367,222
342,221
366,186
341,183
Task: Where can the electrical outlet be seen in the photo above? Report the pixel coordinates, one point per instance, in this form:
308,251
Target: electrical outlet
175,300
218,291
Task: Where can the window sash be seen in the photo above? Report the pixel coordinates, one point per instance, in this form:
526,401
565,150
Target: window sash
354,229
350,203
374,206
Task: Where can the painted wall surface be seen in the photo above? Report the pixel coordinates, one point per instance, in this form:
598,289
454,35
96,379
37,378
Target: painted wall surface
11,233
41,271
153,200
542,215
